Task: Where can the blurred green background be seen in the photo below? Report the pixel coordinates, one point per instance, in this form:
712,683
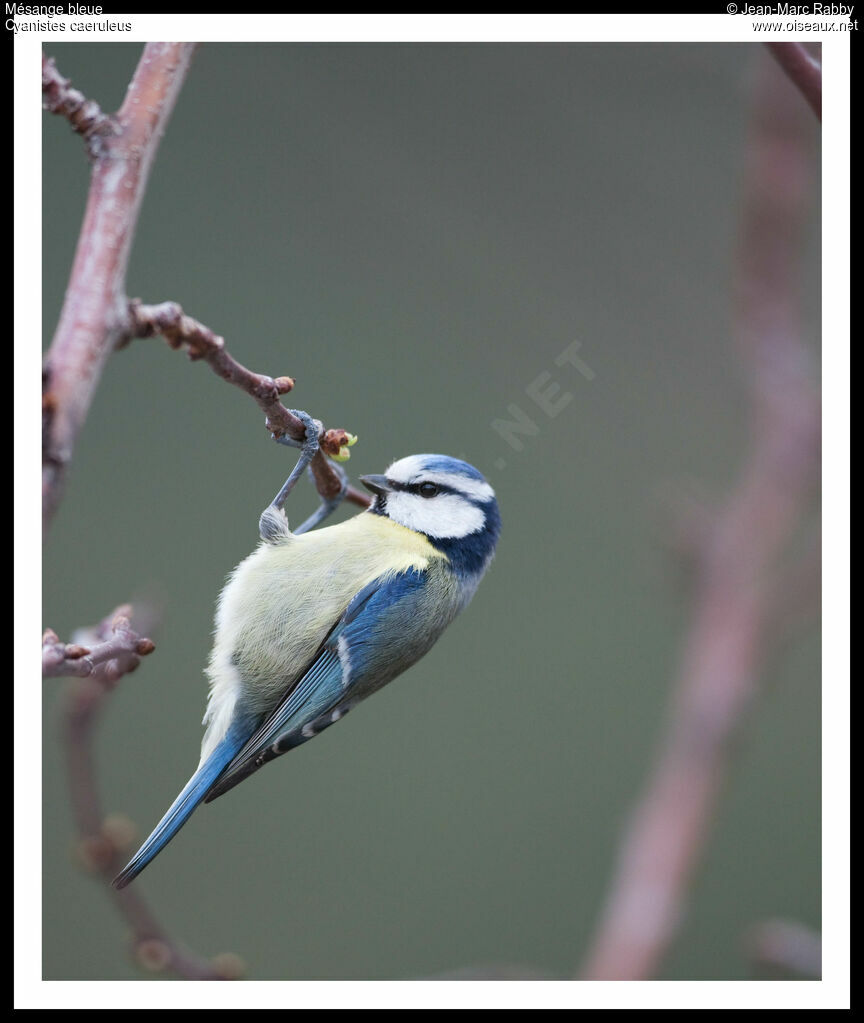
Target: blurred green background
415,232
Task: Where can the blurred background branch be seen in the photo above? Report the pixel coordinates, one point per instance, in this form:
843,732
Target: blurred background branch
114,647
803,69
722,659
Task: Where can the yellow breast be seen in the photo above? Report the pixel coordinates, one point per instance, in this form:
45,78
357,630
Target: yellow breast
281,602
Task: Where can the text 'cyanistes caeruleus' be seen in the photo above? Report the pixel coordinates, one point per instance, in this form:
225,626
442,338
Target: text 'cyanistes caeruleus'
311,623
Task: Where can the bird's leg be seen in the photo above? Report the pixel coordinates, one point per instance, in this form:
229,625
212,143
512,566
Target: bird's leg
273,524
328,504
308,449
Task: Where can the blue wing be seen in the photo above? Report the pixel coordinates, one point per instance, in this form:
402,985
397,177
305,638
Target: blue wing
385,629
339,673
382,632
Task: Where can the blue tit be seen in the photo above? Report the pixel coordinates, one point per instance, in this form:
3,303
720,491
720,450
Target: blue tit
311,623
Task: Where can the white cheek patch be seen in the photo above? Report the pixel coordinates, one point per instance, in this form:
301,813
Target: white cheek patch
446,516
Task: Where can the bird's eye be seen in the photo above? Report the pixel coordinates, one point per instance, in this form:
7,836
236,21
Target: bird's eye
428,490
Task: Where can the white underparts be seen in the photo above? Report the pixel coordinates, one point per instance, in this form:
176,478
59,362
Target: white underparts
224,690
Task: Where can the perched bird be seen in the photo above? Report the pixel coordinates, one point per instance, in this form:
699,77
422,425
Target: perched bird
311,623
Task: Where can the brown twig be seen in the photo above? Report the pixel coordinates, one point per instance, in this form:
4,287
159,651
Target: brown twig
85,115
94,314
724,651
803,69
124,647
179,330
115,649
97,316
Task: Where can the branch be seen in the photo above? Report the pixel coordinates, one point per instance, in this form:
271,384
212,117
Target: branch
94,314
115,649
124,647
97,316
724,651
85,115
178,329
804,70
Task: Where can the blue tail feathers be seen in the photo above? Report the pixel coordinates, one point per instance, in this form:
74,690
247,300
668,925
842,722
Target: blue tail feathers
181,809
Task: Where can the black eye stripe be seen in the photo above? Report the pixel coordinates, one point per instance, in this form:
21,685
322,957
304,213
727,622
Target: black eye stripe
424,489
417,488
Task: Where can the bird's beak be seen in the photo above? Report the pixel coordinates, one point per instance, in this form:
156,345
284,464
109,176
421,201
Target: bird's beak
377,484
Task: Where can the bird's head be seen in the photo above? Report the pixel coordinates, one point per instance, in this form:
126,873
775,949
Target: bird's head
445,499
